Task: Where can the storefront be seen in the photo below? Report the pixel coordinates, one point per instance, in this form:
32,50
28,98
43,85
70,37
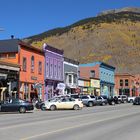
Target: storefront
95,86
84,85
9,78
53,71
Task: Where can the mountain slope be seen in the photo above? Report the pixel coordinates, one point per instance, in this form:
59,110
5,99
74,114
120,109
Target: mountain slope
112,37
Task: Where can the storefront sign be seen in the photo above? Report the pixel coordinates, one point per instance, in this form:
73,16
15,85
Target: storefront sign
95,83
33,78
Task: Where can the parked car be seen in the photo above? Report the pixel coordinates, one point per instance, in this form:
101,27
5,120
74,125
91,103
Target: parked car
122,98
75,96
40,105
16,105
131,99
113,100
88,100
63,103
136,101
100,100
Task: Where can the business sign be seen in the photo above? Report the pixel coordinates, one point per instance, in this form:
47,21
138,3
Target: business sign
95,83
61,86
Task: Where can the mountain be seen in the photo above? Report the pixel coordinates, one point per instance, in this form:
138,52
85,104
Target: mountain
112,37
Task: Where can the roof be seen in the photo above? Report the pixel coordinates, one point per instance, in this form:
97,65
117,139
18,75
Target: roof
124,74
11,45
71,61
102,64
52,49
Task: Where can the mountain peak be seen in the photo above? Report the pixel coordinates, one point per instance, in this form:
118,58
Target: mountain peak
126,9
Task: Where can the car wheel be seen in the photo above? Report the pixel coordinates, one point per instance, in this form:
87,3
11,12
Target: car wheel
131,101
90,104
22,109
43,108
103,104
52,107
76,107
113,103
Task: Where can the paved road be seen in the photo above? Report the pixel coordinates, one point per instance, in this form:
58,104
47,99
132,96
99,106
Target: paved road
120,122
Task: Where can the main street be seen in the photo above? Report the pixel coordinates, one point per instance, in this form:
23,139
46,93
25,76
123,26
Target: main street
119,122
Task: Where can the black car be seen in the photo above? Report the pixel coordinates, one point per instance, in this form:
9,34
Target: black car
16,105
40,105
136,101
113,100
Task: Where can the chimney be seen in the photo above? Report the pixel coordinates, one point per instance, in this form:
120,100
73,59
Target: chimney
12,36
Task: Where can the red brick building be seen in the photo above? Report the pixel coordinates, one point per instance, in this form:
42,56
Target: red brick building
124,84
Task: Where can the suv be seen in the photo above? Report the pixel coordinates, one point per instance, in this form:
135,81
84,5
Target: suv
136,101
88,100
100,100
122,98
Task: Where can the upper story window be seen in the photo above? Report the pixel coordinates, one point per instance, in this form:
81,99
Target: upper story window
32,63
126,82
24,63
92,74
3,56
39,67
75,78
121,82
70,79
47,67
11,55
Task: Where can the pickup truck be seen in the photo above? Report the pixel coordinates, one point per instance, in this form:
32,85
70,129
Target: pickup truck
131,99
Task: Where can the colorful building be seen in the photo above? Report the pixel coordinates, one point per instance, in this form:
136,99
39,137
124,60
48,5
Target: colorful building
31,61
102,71
9,77
54,81
124,84
84,85
95,86
71,68
137,84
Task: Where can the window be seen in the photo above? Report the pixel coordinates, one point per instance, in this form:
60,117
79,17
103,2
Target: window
70,78
126,82
32,64
92,74
12,55
40,67
47,67
3,56
75,79
24,64
121,82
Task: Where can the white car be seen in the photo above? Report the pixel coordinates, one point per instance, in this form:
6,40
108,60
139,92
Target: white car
63,103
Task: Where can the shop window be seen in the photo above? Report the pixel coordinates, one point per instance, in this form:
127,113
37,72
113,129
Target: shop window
24,64
121,82
3,56
12,55
40,67
32,63
126,82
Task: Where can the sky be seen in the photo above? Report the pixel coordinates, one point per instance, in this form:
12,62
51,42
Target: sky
24,18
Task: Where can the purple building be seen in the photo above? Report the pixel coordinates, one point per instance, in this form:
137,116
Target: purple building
53,70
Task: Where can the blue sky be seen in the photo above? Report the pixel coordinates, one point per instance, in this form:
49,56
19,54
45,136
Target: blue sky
24,18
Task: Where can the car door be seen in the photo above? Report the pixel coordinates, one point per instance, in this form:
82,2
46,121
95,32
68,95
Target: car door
99,100
15,105
85,100
6,106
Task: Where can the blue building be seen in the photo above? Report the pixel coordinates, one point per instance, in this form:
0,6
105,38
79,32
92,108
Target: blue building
102,71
